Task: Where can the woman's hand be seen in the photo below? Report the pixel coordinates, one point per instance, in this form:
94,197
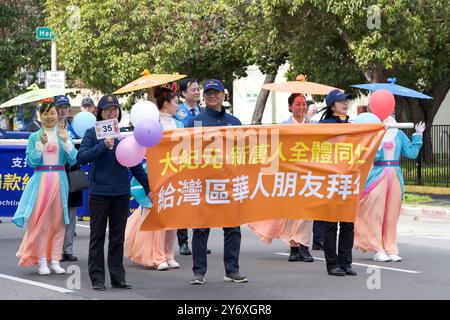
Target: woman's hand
109,143
420,127
62,132
44,138
150,195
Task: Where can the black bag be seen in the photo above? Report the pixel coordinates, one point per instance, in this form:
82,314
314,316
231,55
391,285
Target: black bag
77,180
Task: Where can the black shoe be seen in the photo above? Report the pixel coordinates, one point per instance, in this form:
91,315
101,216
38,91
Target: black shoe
99,287
208,251
70,257
184,249
63,258
336,272
74,234
121,285
317,245
350,271
304,254
294,256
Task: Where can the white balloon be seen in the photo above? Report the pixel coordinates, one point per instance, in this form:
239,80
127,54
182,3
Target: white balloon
390,133
144,110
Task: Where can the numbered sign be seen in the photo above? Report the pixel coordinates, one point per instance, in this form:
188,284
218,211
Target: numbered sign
107,129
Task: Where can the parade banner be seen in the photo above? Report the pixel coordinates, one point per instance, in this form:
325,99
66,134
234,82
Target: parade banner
229,176
14,176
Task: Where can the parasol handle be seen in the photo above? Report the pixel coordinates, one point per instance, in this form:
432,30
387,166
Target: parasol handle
402,125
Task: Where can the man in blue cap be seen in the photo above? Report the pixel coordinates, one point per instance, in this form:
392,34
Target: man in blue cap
62,104
215,115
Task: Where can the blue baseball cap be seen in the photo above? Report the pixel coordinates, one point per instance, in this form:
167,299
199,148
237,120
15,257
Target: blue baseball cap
336,95
214,85
61,101
108,100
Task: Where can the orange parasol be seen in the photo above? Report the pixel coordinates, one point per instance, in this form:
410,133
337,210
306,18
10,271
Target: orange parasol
299,86
149,80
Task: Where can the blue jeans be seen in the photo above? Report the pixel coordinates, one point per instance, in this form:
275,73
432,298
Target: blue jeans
232,247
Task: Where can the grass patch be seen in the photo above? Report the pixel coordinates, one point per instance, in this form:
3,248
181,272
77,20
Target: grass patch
412,198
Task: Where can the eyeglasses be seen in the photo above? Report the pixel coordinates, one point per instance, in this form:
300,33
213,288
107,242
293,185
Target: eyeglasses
212,93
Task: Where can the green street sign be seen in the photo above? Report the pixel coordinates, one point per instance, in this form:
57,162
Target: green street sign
44,33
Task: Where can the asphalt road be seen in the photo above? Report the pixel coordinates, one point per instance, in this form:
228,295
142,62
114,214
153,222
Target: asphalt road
423,274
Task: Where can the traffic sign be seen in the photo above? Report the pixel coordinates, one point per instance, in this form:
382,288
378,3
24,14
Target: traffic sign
55,79
44,33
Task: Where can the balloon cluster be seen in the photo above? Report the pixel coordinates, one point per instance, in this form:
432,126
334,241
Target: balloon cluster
144,116
382,104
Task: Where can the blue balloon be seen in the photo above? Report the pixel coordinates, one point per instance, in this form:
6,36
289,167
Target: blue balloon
367,117
137,191
83,121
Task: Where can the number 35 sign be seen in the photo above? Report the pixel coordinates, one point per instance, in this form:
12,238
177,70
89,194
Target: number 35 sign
107,129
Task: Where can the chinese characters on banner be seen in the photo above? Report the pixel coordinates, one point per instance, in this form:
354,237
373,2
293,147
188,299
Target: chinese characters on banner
229,176
14,176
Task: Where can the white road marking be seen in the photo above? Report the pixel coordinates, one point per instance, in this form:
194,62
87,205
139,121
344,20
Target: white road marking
364,265
85,226
35,283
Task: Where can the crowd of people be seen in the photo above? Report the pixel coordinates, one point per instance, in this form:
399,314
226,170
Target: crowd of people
49,208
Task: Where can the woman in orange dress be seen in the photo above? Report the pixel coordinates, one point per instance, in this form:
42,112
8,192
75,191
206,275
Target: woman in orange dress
296,233
153,248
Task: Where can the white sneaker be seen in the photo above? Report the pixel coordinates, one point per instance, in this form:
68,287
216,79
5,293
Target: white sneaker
43,269
173,264
163,266
394,257
55,267
381,256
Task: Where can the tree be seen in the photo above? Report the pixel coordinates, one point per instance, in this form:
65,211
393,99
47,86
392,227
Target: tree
115,40
338,43
21,55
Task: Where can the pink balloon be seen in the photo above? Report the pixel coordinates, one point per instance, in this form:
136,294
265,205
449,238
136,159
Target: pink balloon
129,153
382,103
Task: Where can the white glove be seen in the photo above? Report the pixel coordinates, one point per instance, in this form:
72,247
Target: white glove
420,127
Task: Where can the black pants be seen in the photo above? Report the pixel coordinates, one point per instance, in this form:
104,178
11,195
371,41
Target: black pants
182,235
319,231
344,257
101,209
232,247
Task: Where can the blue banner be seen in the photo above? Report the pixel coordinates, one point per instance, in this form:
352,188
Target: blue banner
14,176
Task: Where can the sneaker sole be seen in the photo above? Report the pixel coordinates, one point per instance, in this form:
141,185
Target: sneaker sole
197,282
226,279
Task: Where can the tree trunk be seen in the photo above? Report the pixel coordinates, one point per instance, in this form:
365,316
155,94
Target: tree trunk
261,100
415,110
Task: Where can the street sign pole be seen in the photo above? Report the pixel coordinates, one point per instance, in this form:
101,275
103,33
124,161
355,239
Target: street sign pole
53,55
46,33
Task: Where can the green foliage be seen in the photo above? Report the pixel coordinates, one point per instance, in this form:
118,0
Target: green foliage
116,40
21,55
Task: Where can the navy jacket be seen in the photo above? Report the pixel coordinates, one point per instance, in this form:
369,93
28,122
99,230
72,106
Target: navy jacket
334,119
211,118
107,177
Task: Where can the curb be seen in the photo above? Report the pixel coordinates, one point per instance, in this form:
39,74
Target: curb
428,212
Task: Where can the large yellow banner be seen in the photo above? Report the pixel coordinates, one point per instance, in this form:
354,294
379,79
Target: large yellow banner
229,176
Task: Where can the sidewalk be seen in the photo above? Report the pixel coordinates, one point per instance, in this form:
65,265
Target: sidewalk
438,207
